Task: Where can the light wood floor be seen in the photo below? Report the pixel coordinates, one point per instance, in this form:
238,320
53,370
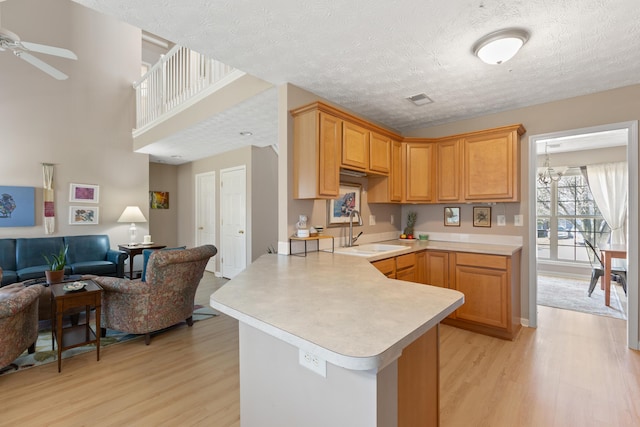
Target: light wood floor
573,370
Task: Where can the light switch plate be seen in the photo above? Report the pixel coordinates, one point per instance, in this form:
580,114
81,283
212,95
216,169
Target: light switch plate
518,220
502,220
372,220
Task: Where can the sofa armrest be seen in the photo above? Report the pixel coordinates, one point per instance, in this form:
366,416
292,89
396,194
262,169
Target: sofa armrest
118,258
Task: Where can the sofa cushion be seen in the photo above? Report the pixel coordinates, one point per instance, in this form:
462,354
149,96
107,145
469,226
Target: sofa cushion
99,268
8,261
36,272
30,252
87,248
147,253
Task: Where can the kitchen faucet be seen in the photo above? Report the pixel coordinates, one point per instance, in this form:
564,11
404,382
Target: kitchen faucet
351,240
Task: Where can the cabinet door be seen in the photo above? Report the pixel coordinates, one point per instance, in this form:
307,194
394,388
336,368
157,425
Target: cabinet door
355,146
379,153
485,295
491,166
396,174
328,155
386,267
421,267
437,269
448,162
419,172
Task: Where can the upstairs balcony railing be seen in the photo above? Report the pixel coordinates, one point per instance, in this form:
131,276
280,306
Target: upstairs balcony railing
178,77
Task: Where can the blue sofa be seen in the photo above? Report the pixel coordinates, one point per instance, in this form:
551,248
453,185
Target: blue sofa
23,258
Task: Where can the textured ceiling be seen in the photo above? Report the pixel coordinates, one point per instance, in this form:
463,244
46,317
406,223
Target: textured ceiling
368,56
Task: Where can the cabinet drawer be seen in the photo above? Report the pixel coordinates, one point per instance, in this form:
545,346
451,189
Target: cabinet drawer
386,266
405,261
480,260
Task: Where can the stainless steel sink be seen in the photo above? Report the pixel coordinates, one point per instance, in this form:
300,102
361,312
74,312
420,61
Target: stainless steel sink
369,249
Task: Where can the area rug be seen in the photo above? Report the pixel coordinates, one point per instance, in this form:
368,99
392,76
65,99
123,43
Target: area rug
44,353
571,294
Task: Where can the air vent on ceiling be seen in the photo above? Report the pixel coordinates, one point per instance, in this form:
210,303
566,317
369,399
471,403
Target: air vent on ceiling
420,99
355,174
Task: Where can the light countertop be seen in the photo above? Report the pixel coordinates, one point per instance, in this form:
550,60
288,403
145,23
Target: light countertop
436,245
338,307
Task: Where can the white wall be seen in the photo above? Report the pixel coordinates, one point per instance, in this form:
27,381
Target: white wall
82,125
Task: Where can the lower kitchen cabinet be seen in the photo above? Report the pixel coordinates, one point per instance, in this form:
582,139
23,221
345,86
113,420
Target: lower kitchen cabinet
402,267
491,288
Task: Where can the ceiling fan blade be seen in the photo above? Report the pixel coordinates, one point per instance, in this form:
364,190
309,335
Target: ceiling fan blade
49,50
53,72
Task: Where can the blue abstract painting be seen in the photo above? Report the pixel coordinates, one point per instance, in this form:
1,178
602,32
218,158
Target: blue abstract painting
17,206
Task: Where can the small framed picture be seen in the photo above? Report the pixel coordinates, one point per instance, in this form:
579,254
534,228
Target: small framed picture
84,193
482,216
339,209
452,217
83,215
159,199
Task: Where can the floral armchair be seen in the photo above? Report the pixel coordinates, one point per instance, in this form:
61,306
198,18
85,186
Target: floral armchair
18,321
166,298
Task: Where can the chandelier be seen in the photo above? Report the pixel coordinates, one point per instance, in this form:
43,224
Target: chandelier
548,174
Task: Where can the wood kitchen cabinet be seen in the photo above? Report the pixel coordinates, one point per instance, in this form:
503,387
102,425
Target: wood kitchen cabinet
419,172
491,165
316,154
379,153
448,168
402,267
388,189
355,147
491,288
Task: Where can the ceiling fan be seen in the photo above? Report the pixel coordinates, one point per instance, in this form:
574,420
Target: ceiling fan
11,41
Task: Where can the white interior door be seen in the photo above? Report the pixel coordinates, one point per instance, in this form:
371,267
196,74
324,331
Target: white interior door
233,208
206,213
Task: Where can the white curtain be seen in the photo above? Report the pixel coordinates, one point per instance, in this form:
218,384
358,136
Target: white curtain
608,184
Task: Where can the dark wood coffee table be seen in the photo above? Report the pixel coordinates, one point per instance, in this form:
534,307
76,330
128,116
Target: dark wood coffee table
76,335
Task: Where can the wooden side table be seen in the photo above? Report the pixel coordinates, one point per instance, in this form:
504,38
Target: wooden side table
74,336
133,250
307,239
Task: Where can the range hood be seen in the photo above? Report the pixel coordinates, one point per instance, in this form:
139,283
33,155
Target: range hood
355,174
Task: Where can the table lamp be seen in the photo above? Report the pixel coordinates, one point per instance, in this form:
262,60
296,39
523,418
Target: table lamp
132,214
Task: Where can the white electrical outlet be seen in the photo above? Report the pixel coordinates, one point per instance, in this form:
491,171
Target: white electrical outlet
392,219
313,362
372,220
502,220
518,220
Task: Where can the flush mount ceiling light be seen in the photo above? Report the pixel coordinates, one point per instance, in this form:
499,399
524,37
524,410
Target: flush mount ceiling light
500,46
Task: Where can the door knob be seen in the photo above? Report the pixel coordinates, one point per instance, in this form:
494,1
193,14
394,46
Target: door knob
241,232
200,228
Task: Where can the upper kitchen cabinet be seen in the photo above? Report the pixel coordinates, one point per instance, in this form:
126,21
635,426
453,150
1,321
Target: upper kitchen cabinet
388,189
379,153
316,154
355,147
491,165
419,158
364,150
448,175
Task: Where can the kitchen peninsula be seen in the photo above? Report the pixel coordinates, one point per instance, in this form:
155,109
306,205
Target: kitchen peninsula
328,340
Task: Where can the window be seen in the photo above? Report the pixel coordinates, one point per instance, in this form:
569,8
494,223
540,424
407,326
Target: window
566,216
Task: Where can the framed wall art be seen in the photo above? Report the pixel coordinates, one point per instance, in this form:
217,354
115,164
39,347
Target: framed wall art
452,217
159,199
84,193
17,206
83,215
338,209
482,216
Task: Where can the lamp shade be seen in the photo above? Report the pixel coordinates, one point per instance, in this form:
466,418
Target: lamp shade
500,46
132,214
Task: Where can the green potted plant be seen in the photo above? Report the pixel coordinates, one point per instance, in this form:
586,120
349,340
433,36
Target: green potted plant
56,263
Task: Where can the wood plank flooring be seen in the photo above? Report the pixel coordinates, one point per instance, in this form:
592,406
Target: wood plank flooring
573,370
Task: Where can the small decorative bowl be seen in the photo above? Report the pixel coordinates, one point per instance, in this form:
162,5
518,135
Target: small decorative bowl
75,286
423,236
